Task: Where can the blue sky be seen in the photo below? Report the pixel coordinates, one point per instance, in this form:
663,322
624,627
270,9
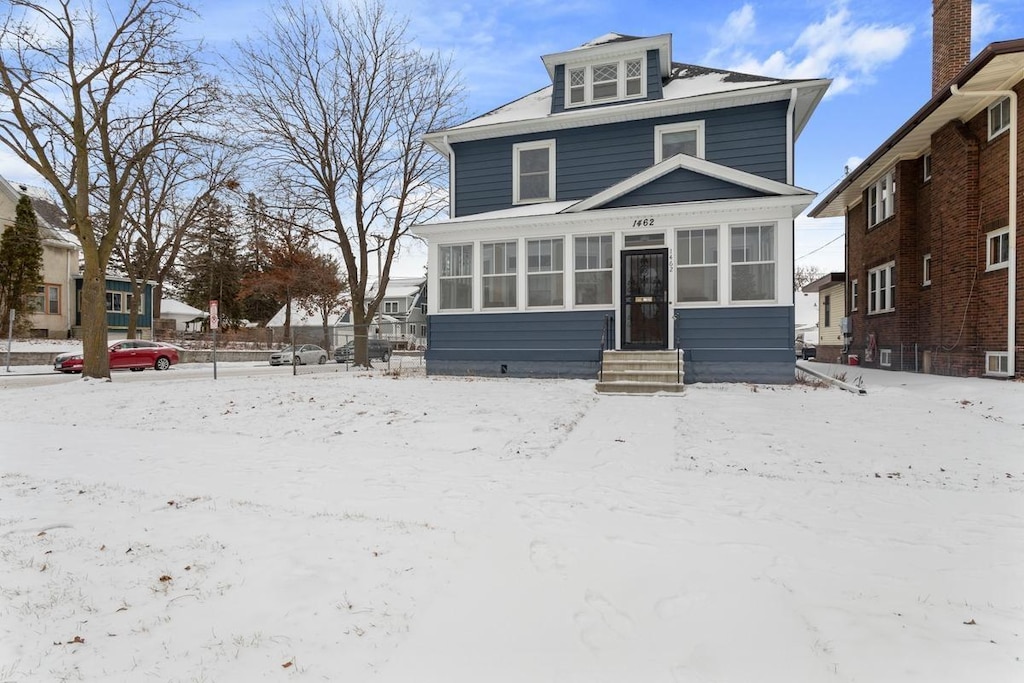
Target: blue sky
878,52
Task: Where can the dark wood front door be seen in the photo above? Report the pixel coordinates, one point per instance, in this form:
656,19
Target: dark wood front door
645,299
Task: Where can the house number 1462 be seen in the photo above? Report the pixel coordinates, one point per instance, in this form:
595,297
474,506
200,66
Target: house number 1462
643,223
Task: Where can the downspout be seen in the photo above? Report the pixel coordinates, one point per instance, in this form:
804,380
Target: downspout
450,153
790,142
1011,275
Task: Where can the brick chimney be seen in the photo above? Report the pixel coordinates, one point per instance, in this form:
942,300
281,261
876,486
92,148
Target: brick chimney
951,40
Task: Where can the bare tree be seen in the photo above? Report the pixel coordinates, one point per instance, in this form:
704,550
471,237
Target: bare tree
78,84
805,275
174,186
340,100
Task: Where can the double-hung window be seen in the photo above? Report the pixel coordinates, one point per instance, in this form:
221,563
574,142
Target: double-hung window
456,276
533,172
498,272
604,82
679,138
545,265
882,199
593,271
115,302
998,117
882,288
998,249
391,307
697,269
45,300
753,262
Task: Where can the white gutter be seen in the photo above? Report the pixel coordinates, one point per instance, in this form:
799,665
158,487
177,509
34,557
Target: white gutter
1011,276
450,153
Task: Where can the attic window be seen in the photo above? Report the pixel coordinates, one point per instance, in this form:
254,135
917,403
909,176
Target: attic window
606,82
679,138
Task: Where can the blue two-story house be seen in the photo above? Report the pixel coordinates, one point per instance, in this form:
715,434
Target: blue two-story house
633,202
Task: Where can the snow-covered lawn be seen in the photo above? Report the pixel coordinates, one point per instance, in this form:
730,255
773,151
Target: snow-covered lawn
354,526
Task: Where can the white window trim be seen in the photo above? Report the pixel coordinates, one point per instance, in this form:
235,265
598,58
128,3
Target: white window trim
926,166
441,277
484,276
527,273
588,82
576,270
1004,356
660,131
721,234
996,133
854,294
885,358
890,287
524,146
884,211
999,265
926,270
733,263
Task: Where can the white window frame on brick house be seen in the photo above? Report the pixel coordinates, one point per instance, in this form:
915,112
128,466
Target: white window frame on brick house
696,127
630,81
885,358
518,172
882,288
997,249
998,117
997,364
926,165
853,295
926,270
881,198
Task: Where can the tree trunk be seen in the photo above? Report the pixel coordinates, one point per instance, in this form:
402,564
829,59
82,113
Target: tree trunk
133,316
95,361
360,328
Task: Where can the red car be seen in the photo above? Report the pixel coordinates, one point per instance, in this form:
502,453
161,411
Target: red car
133,354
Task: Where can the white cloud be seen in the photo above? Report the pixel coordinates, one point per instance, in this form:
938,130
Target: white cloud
984,22
853,162
837,47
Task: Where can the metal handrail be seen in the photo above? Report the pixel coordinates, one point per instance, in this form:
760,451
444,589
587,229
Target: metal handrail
605,339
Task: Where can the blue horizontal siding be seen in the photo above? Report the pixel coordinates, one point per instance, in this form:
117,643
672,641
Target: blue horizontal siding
550,344
591,159
736,344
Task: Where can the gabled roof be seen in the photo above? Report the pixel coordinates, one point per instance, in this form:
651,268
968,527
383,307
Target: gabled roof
50,217
691,163
996,67
612,46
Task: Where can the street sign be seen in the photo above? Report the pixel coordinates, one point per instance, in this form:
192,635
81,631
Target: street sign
214,319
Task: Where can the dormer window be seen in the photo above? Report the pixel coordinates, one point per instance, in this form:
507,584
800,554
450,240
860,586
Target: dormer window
606,82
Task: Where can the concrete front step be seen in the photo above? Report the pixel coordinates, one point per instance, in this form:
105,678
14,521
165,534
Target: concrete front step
638,387
640,372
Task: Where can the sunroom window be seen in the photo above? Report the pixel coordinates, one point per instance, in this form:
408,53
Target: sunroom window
753,262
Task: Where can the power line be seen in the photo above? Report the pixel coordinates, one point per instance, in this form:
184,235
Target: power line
815,251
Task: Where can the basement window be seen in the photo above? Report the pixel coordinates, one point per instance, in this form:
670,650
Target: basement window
885,358
997,363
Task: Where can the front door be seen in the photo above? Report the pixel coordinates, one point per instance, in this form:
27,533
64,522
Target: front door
645,299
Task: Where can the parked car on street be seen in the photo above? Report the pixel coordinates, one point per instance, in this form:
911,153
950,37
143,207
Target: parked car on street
131,354
303,355
376,348
805,350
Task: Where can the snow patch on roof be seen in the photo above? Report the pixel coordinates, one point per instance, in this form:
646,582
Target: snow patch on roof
605,39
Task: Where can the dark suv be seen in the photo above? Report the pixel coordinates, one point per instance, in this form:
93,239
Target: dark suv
376,348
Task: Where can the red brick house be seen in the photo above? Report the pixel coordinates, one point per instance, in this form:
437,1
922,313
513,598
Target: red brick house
933,264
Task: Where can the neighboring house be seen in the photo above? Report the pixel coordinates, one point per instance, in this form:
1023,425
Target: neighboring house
932,218
830,291
405,303
307,327
632,194
119,302
52,307
184,317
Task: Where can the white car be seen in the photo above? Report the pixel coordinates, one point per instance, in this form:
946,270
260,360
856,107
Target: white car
303,355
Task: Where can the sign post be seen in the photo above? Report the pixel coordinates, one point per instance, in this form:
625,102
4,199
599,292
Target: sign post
214,325
10,333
